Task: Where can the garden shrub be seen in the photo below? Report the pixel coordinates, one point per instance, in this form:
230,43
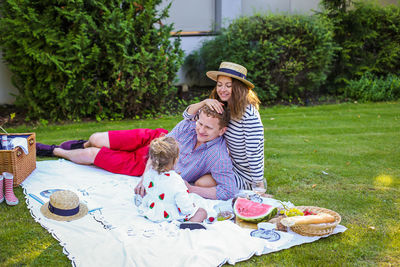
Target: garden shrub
99,59
369,37
373,88
287,56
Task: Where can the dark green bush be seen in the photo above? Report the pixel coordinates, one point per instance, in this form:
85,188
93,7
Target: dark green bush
373,88
286,56
99,59
369,37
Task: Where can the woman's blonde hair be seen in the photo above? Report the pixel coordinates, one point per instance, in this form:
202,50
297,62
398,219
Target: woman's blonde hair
163,152
241,97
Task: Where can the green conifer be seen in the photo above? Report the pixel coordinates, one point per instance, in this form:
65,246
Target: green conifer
73,59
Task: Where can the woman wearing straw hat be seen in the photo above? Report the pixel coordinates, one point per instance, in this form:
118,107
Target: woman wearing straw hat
245,133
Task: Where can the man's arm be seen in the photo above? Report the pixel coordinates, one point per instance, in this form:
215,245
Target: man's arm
222,173
205,192
182,127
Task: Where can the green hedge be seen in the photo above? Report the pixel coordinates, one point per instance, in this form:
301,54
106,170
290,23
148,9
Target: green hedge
369,37
99,59
373,88
287,56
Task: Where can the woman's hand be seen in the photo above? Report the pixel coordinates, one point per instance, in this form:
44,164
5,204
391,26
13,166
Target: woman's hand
211,103
214,104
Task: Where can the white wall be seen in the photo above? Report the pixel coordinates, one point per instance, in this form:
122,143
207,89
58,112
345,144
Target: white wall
230,9
190,15
250,7
305,7
6,88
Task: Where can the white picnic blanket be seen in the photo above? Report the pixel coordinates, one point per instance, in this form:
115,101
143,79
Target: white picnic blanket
115,235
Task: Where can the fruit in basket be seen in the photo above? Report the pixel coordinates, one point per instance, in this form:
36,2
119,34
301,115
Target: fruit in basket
290,212
251,211
308,212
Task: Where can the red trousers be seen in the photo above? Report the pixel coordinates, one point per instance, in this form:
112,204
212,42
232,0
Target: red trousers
128,152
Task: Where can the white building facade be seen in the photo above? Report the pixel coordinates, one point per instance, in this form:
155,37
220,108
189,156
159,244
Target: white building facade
199,20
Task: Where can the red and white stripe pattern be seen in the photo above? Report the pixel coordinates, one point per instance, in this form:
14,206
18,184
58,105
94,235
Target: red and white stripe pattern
1,189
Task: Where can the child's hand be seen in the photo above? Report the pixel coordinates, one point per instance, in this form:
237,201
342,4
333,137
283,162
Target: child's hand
189,186
140,190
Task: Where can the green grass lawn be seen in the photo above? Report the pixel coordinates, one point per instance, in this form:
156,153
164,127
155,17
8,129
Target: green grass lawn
343,157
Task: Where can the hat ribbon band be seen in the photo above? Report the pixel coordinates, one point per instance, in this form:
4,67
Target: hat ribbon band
239,74
62,212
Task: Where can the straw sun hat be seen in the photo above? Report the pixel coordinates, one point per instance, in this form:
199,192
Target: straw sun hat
64,205
231,70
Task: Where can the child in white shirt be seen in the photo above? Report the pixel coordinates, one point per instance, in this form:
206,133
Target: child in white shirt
167,197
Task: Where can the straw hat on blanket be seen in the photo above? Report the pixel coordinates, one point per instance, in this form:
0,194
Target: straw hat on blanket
64,205
231,70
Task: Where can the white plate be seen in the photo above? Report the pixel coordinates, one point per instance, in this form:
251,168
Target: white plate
269,235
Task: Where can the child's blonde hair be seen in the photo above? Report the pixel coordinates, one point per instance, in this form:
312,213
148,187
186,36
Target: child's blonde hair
163,152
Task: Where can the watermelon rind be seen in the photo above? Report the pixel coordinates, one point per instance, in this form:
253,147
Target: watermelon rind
269,213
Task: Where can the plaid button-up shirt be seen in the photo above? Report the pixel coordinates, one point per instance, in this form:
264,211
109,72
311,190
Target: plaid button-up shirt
209,158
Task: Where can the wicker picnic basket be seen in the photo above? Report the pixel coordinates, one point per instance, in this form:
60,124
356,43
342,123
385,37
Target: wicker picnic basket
16,161
317,229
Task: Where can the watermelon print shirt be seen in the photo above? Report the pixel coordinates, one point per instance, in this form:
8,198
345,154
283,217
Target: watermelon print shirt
166,198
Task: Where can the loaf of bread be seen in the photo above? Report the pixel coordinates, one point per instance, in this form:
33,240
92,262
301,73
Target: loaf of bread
310,219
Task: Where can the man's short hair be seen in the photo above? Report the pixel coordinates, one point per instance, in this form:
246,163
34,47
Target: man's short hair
223,118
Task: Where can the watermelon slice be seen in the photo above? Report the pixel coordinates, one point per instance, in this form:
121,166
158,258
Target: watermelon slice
251,211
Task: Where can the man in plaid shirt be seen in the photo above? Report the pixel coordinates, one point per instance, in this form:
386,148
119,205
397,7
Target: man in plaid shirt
203,152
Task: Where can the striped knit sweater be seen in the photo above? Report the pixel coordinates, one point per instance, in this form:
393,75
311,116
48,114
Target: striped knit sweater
245,140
